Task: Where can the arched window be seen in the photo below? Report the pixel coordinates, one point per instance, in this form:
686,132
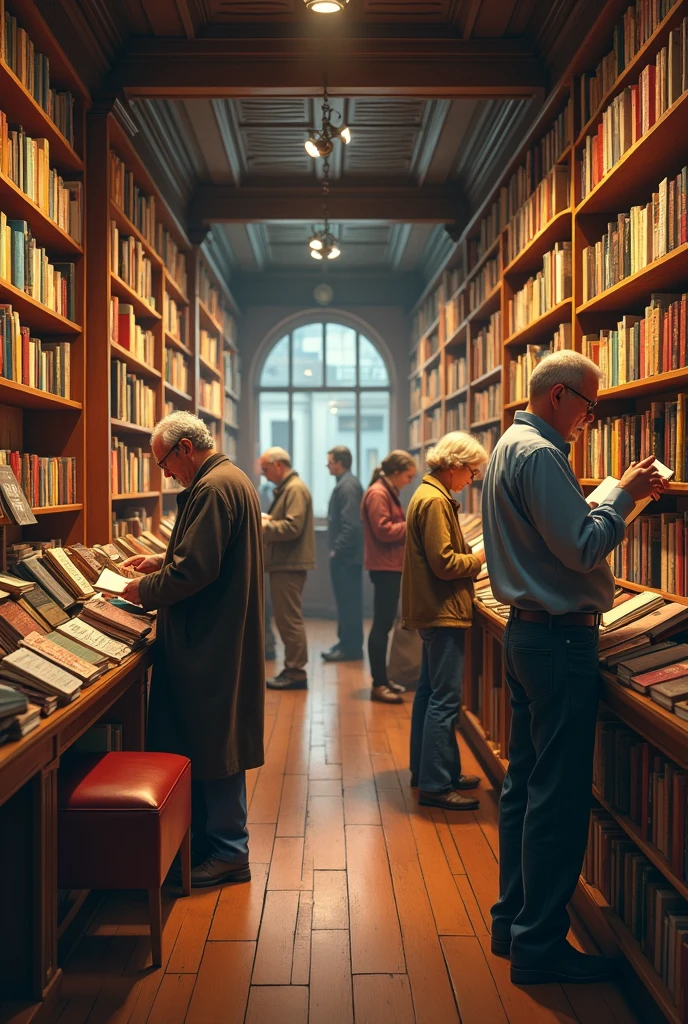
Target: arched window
321,385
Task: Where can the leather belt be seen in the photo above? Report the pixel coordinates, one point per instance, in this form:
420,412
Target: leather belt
569,619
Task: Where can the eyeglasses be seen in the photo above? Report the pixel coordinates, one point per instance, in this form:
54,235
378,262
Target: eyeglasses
161,464
474,472
590,403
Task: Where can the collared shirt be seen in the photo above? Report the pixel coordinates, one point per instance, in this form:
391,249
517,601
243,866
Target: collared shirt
545,546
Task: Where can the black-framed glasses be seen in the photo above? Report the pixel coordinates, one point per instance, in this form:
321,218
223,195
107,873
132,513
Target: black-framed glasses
161,464
474,473
591,405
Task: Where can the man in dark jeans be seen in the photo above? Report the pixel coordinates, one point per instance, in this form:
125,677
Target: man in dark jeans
346,556
546,553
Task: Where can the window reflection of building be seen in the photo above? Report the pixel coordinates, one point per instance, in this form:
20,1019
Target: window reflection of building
325,384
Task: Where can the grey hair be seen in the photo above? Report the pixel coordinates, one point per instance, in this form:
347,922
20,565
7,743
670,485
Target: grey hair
171,429
563,367
456,449
277,455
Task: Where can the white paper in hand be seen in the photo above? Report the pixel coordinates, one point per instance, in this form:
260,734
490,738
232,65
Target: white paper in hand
110,582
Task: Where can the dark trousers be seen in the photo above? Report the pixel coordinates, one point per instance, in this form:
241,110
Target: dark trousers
347,584
270,642
218,818
553,675
386,588
435,757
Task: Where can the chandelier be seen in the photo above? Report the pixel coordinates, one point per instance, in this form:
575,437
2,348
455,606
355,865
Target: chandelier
326,6
322,244
320,143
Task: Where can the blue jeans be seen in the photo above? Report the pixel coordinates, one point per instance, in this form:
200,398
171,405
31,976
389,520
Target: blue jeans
553,676
435,757
219,818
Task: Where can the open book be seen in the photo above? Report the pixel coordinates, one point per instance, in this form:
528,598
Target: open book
603,490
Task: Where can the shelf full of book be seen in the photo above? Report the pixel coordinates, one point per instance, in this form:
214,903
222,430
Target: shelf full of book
42,275
584,242
219,368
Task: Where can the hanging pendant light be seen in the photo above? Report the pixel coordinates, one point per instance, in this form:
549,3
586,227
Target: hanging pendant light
322,244
326,6
320,142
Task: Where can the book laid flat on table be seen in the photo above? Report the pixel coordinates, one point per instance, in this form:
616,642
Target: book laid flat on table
116,622
41,606
67,660
634,607
58,562
669,693
35,673
20,724
677,670
93,638
14,586
11,702
627,671
681,709
99,661
632,649
662,622
15,624
32,568
603,490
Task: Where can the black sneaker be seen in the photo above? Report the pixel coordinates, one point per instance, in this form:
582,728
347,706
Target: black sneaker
570,965
286,682
328,654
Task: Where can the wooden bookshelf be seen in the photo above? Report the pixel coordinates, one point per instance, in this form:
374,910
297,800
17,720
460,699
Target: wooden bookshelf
217,313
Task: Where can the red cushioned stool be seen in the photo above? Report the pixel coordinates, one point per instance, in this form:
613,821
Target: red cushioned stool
122,817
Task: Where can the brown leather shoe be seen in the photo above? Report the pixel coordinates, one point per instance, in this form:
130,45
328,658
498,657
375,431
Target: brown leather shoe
451,801
214,871
467,782
385,696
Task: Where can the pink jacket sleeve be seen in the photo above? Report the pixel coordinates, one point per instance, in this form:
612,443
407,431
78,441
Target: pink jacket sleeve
378,512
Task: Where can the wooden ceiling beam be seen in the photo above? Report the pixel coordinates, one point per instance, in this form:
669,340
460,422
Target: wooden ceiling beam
213,204
435,67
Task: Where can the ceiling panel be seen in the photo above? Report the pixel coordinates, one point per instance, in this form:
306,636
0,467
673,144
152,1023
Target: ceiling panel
380,151
379,110
274,111
278,151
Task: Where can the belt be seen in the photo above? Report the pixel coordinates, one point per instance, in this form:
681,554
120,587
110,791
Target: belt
569,619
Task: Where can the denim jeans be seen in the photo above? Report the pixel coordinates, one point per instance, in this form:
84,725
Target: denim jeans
219,818
435,757
553,676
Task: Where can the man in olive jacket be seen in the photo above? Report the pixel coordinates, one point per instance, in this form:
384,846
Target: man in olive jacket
289,537
207,693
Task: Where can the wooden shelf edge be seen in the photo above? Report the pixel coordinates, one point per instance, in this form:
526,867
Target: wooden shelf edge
542,323
172,286
130,228
144,310
27,305
646,385
23,396
542,239
480,424
177,392
45,510
139,496
175,343
132,428
607,300
62,152
133,361
49,232
212,415
487,378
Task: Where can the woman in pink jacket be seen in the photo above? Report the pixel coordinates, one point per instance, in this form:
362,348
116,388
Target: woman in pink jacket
384,528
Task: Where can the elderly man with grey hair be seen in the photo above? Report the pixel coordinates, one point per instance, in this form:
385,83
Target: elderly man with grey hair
546,552
207,693
289,537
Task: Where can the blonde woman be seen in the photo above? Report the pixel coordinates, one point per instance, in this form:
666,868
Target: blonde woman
437,600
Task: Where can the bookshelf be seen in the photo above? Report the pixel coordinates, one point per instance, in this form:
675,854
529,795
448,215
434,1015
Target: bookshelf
47,423
516,229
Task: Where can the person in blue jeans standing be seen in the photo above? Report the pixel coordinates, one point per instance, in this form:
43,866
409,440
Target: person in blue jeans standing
437,600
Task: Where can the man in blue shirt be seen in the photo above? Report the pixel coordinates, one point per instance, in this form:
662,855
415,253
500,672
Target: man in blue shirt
546,551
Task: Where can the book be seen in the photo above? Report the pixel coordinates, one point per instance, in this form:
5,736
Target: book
681,709
36,673
635,667
33,568
11,702
68,643
676,670
633,608
21,724
603,490
86,560
668,693
115,621
111,582
15,624
87,635
631,649
15,587
59,562
14,500
67,660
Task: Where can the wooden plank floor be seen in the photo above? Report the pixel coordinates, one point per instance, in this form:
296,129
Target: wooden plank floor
362,906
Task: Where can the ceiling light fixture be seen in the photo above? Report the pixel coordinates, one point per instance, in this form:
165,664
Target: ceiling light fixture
321,143
326,6
322,244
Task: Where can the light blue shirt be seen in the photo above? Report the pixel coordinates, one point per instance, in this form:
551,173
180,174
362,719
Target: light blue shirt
545,546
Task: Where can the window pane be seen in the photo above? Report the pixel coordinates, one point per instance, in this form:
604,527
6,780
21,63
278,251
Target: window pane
307,365
276,368
341,356
374,425
321,421
273,429
372,369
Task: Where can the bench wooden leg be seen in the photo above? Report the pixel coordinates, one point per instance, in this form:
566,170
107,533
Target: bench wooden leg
155,916
185,857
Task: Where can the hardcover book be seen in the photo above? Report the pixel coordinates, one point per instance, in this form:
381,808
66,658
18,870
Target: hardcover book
667,694
36,673
70,662
602,491
59,562
33,568
93,638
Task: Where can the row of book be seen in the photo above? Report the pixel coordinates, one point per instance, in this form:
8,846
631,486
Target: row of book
482,284
32,68
173,318
426,315
487,403
415,395
130,522
26,162
30,361
487,437
432,342
130,468
173,258
177,370
643,346
631,33
456,416
126,332
230,448
26,266
434,423
231,412
210,395
231,372
131,398
133,201
615,441
210,297
521,367
130,263
540,293
454,310
651,908
45,480
457,373
414,433
209,347
638,238
551,196
486,347
654,553
635,110
432,385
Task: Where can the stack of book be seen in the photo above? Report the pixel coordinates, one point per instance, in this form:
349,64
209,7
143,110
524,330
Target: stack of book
26,266
521,369
209,347
66,573
432,385
487,403
76,664
167,526
457,373
17,716
456,416
138,207
484,282
210,297
550,286
131,399
114,620
38,679
210,395
45,365
15,624
45,481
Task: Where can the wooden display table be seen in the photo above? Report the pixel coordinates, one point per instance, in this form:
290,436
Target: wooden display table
30,978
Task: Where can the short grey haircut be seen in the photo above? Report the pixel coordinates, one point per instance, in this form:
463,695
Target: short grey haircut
456,449
277,455
563,367
178,425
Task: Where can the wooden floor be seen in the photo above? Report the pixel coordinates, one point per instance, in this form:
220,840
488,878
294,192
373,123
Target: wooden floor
362,906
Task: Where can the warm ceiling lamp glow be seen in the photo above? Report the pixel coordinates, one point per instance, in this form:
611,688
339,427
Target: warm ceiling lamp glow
320,141
326,6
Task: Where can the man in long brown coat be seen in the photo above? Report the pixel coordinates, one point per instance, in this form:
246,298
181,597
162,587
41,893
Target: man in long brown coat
208,689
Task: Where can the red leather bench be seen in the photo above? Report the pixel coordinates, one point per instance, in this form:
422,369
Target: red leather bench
122,817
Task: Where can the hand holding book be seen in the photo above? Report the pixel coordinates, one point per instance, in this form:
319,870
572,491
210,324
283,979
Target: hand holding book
144,563
644,481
